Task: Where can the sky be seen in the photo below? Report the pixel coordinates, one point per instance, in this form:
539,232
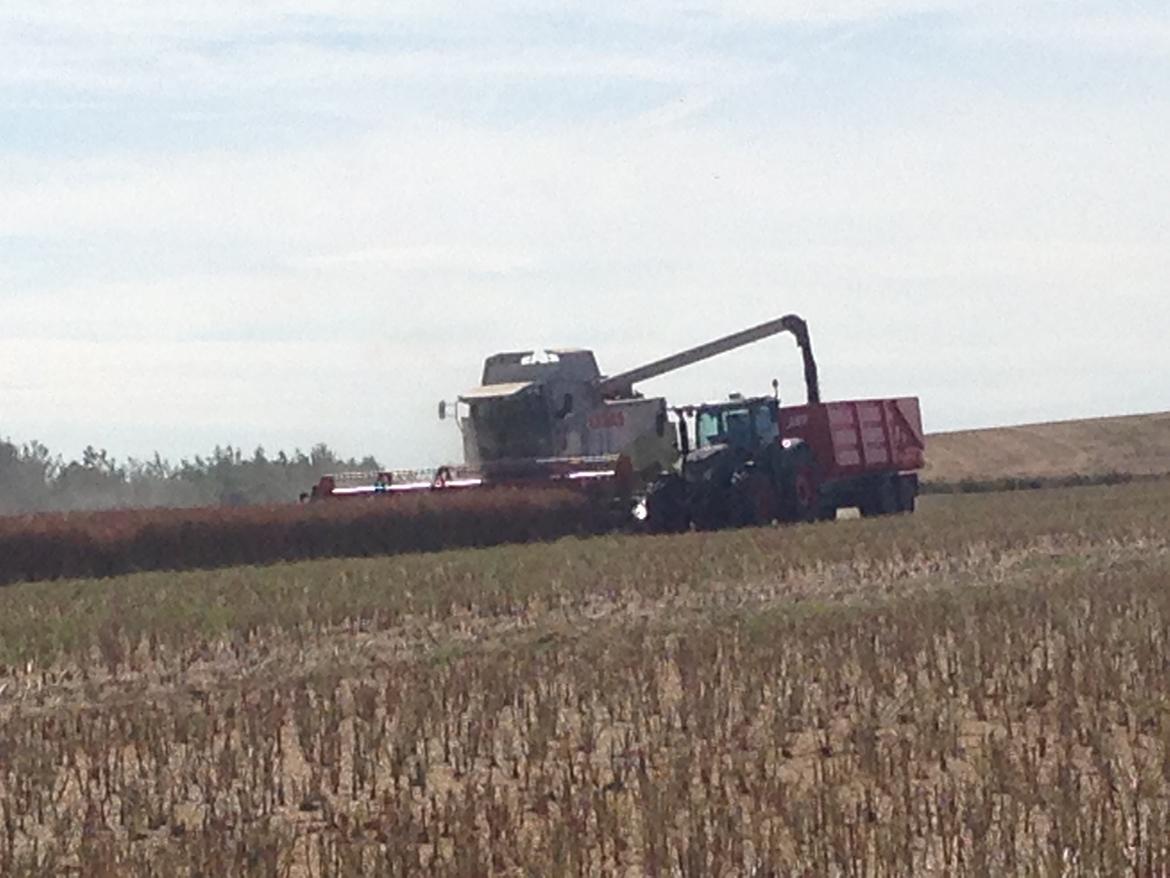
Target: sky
274,224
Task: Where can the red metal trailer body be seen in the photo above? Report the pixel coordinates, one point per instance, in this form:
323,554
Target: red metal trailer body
852,438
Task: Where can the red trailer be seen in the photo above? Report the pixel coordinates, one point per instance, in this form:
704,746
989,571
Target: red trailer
866,452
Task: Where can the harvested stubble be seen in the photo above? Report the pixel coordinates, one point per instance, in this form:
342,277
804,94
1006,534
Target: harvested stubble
979,690
58,545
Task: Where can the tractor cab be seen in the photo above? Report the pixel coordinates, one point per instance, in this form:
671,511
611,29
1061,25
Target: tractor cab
733,468
740,426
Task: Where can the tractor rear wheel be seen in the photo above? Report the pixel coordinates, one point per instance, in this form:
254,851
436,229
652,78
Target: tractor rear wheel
754,500
800,499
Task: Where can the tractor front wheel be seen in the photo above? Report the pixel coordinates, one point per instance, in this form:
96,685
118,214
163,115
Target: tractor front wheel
666,506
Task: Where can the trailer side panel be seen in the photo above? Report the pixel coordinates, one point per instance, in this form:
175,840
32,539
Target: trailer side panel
852,438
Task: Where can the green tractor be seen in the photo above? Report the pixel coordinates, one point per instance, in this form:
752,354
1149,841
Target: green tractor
737,472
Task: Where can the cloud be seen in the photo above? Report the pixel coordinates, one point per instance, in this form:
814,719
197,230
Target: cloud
433,258
670,178
832,11
219,48
1131,30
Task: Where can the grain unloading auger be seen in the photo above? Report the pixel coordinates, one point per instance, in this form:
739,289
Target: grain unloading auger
558,421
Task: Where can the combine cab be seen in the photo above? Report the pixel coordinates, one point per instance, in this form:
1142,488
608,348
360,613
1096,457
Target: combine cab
531,416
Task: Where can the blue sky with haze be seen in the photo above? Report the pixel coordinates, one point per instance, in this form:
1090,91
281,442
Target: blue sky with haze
279,224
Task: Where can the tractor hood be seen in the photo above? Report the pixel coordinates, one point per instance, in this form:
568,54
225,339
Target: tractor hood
702,462
700,455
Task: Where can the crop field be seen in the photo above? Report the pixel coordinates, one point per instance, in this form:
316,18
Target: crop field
109,542
982,688
1132,445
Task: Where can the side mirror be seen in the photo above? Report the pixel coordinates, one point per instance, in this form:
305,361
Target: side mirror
442,409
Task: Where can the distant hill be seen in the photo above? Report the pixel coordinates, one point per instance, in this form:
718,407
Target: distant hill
1132,444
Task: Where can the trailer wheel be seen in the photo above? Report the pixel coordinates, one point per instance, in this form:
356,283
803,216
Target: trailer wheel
907,488
881,499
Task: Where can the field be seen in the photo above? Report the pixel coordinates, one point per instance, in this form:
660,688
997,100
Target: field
1136,445
982,688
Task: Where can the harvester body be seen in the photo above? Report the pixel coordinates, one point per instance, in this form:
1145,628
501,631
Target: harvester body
548,409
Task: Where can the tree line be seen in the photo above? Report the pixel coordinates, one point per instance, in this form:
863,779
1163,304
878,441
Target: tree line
34,479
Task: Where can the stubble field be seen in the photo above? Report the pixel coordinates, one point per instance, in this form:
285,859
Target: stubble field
982,688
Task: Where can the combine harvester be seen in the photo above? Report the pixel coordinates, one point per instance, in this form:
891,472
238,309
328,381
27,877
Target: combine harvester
558,422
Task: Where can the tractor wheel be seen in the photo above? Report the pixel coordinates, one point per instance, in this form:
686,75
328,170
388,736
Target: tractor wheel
713,513
801,500
754,500
666,507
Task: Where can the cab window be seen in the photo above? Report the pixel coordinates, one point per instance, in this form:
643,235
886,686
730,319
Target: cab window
708,429
766,427
738,428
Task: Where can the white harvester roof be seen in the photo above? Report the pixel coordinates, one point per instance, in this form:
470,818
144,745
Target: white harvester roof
495,391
